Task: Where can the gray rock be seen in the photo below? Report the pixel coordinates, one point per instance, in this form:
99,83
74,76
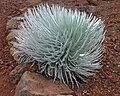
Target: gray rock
33,84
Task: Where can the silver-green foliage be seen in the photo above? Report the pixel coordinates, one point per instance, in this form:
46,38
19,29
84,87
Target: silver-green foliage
66,44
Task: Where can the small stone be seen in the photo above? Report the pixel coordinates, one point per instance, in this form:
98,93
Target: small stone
16,57
33,84
107,66
18,18
113,39
12,50
117,48
14,53
32,2
103,77
13,33
1,62
86,93
12,24
92,9
23,9
11,91
93,2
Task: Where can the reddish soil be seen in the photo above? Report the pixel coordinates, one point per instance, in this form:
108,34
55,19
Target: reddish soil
105,83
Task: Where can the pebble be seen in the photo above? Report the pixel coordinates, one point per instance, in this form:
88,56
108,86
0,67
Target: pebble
1,62
11,91
93,2
23,9
103,77
85,92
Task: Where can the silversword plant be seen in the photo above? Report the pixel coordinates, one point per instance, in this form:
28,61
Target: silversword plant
65,44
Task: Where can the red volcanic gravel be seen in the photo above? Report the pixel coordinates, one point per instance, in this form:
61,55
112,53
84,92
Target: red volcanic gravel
104,83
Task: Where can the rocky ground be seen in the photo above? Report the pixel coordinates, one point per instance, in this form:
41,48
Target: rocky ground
106,82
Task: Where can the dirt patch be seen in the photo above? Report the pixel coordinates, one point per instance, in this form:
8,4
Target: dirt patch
105,83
